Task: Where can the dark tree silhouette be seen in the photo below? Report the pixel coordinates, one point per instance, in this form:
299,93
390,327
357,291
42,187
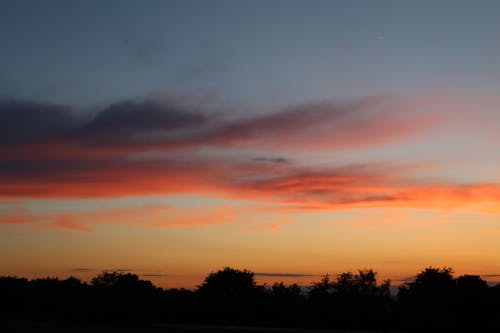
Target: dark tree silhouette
285,305
322,288
472,301
429,301
14,295
117,294
434,301
352,300
231,295
229,283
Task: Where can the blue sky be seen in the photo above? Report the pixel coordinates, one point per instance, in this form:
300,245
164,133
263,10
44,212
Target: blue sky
249,54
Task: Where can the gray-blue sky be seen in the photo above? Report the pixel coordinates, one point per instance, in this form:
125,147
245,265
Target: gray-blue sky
256,54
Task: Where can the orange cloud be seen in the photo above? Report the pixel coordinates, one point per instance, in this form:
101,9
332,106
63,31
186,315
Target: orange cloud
146,216
152,148
15,215
371,185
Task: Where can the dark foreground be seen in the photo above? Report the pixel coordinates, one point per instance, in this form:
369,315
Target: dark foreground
42,326
230,300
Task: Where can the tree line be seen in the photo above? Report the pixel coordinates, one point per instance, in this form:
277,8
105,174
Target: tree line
435,300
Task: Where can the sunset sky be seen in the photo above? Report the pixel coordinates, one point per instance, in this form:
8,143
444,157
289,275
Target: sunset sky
291,138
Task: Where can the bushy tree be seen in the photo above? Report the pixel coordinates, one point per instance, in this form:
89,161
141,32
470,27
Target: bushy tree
429,300
229,283
231,295
119,293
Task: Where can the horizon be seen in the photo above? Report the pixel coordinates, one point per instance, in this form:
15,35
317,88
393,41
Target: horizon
164,281
297,138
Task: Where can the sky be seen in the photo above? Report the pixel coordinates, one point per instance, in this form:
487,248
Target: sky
291,138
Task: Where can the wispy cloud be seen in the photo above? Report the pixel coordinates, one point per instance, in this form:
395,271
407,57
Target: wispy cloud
80,269
145,216
369,185
43,130
277,160
285,275
15,215
156,147
119,270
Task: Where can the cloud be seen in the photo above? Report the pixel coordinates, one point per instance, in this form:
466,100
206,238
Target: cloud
285,275
305,187
119,270
81,269
154,147
277,160
288,190
38,131
67,221
490,275
145,216
24,123
138,122
325,125
15,215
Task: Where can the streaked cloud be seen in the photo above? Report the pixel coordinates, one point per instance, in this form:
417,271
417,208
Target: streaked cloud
157,147
490,275
39,131
119,270
15,214
146,216
285,275
81,269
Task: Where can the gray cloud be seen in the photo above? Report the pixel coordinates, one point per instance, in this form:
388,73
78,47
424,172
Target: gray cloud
154,124
286,275
119,270
51,149
81,269
29,122
277,160
126,121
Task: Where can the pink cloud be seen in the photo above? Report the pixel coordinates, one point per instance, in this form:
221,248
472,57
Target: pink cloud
128,127
145,216
15,215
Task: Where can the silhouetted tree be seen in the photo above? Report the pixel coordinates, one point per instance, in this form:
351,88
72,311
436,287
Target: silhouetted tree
229,283
286,305
434,301
322,288
125,294
231,294
289,293
180,306
14,295
472,301
429,301
352,300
